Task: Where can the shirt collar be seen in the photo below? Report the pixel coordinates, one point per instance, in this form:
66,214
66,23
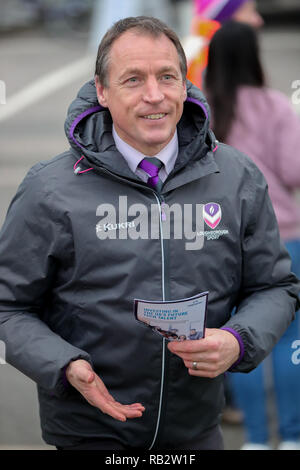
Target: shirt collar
133,157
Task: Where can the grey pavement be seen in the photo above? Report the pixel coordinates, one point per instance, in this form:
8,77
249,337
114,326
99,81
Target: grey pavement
36,133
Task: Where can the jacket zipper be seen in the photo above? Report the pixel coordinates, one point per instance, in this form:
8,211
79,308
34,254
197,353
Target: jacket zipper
160,202
161,218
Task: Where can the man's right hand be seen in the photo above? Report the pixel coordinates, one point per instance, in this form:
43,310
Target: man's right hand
81,375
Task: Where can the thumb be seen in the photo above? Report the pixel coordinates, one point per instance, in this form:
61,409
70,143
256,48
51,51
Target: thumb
210,331
86,375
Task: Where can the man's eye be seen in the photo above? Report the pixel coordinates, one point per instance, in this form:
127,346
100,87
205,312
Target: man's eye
132,79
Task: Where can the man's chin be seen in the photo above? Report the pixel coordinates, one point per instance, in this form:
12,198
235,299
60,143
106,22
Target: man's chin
153,149
157,143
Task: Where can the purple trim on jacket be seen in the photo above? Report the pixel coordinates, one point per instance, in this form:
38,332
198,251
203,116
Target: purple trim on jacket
81,116
193,100
242,348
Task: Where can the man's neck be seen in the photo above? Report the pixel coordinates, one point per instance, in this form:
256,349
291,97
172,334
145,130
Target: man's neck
149,151
133,156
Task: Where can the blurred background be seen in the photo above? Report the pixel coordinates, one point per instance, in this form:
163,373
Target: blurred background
47,51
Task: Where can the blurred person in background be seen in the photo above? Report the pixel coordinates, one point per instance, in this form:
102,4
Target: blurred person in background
209,15
260,122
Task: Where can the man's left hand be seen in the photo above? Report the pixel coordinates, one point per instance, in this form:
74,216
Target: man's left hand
213,354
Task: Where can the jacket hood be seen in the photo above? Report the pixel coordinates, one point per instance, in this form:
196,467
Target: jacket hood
88,128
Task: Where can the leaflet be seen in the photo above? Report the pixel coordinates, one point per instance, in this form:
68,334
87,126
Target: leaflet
176,320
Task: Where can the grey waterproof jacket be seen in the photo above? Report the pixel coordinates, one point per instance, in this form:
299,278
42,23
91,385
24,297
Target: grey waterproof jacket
83,239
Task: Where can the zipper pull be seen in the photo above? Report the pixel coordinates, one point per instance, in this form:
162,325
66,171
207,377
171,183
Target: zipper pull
163,214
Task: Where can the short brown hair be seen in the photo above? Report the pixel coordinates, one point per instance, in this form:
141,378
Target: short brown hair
142,24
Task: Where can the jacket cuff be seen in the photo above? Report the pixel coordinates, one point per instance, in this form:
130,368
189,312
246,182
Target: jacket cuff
241,344
65,382
64,387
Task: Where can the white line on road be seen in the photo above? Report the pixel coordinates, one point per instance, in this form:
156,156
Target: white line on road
44,86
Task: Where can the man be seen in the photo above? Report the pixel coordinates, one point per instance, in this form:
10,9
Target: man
87,234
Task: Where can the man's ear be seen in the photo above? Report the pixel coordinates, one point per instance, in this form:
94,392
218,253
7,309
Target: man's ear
184,91
101,95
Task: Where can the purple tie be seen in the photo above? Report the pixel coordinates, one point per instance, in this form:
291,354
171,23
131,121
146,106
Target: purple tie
152,165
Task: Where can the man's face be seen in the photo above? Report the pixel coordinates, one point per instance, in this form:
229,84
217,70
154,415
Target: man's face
146,90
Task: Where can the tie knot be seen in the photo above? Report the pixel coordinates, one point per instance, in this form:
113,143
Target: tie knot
152,165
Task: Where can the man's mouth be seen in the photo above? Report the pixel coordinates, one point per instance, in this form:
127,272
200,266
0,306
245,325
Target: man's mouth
154,117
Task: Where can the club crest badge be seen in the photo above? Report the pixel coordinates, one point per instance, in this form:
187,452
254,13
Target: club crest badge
212,214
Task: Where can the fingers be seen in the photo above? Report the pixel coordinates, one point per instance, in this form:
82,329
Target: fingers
81,375
118,410
209,342
187,346
213,354
210,356
121,412
108,405
209,363
204,369
97,395
196,350
132,411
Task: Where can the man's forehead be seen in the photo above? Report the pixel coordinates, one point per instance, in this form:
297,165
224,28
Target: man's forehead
132,43
135,50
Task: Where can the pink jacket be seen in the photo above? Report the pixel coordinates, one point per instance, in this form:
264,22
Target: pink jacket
268,130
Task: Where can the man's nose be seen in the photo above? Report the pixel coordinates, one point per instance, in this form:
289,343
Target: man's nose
153,92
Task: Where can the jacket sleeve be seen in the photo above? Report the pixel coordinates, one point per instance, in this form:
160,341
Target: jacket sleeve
269,292
29,251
